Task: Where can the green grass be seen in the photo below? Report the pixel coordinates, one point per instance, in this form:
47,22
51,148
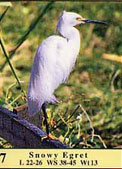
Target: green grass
89,84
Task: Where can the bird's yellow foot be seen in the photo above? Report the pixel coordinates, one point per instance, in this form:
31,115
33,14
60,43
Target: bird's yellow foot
49,137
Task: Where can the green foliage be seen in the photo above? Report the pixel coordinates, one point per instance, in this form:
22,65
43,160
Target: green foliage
89,115
5,4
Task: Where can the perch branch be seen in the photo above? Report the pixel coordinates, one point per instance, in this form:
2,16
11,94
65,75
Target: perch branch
22,134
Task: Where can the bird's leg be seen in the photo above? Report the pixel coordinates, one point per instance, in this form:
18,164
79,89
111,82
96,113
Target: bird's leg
49,136
45,118
15,111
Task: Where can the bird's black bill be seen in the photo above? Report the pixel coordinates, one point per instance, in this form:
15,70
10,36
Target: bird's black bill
94,21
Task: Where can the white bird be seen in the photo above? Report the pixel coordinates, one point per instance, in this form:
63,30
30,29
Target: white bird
53,63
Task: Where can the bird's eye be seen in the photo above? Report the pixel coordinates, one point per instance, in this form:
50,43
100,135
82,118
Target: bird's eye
78,19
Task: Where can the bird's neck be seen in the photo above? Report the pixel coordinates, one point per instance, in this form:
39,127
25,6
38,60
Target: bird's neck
68,32
72,35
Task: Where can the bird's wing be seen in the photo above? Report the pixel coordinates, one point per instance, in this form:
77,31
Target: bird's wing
53,56
48,71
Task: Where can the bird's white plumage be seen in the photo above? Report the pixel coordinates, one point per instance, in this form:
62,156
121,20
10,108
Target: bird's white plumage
53,62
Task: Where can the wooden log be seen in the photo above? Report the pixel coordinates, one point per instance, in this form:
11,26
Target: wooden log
22,134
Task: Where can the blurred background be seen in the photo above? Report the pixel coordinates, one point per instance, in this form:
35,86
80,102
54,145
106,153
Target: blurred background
89,114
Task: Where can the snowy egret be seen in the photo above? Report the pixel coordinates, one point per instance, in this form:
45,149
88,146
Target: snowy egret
53,62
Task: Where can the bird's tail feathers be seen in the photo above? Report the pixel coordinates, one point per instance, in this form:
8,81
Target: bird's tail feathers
34,106
54,100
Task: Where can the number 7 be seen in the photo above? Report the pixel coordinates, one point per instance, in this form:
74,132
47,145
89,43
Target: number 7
3,154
